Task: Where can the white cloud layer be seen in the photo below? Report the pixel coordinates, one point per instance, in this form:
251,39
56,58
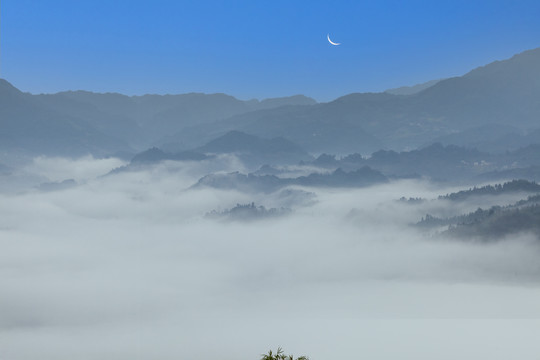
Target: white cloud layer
127,267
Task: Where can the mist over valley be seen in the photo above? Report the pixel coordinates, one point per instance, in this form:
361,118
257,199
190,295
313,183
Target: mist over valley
202,226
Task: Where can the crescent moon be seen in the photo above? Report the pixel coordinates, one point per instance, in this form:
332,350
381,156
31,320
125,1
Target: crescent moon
331,42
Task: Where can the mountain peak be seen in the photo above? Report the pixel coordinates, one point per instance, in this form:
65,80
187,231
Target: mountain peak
414,89
288,100
521,63
6,86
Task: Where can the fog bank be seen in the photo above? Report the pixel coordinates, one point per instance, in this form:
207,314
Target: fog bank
127,266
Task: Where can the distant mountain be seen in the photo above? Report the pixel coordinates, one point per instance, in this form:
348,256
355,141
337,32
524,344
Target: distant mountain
497,223
256,151
531,173
444,163
495,139
241,182
497,102
494,223
271,103
253,151
107,113
315,128
523,157
149,118
155,155
247,212
489,138
501,93
514,186
365,176
27,125
436,161
270,183
411,90
80,122
511,141
523,163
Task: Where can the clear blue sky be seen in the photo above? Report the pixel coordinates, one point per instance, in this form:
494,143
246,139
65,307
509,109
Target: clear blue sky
255,49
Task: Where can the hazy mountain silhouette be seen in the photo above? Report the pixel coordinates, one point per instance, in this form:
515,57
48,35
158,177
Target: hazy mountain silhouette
247,212
511,141
481,137
496,222
79,122
438,162
255,151
27,125
410,90
362,177
435,161
503,92
314,128
514,186
155,155
483,103
101,111
529,173
142,120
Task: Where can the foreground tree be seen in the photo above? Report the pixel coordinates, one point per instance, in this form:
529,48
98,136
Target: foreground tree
280,355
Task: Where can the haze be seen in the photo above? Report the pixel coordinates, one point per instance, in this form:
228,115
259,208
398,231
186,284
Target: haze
127,266
373,200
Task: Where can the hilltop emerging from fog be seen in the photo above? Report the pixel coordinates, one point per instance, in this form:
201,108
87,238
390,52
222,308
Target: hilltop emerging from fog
206,225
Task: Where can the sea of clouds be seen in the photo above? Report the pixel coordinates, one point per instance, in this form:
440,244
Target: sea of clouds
127,266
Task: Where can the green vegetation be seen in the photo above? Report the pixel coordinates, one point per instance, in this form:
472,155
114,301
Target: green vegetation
280,355
246,212
498,189
498,222
493,223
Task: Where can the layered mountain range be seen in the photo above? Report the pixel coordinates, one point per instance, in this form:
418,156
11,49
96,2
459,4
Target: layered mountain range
496,107
80,122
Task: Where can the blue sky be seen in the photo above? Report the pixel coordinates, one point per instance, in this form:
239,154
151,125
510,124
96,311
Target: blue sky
255,49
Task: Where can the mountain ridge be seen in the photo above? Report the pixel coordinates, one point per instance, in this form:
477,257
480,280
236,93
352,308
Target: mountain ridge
501,93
